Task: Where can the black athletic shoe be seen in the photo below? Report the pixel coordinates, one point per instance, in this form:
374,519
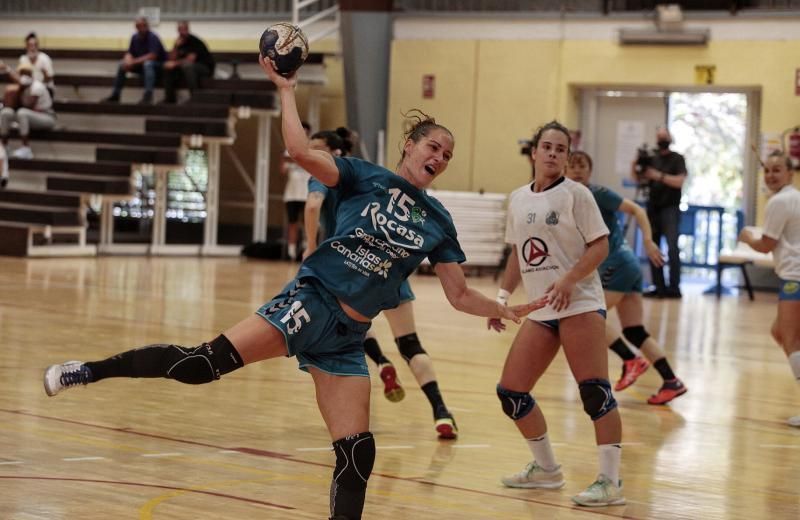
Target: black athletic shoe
653,293
673,294
110,99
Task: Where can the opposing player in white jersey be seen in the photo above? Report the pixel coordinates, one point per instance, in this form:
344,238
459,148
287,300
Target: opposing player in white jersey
782,236
559,240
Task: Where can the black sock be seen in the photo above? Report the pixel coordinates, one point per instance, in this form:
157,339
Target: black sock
662,365
435,398
621,349
201,364
373,350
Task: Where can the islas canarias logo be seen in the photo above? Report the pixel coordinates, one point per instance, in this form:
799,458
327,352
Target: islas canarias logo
393,221
535,251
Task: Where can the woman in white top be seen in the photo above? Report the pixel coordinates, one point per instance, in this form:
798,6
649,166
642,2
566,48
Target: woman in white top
40,63
30,105
559,239
294,197
782,236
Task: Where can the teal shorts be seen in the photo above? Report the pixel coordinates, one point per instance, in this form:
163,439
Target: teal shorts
316,329
405,292
620,272
790,291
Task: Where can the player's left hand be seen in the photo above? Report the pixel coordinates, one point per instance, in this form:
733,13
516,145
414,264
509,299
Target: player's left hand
515,312
559,293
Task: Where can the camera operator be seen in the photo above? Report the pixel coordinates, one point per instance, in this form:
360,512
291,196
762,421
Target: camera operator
664,178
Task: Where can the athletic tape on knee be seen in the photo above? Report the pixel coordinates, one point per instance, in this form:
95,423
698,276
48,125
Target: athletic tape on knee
516,405
355,456
202,364
409,346
636,335
597,397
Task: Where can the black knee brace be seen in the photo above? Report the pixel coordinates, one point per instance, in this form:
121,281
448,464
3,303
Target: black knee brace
355,456
409,346
636,335
194,366
597,397
516,405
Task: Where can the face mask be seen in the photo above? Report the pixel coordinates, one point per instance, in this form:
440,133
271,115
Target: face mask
663,144
25,80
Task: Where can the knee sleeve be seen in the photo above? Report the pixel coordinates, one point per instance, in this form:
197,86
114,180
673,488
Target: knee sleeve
409,346
516,405
597,397
202,364
355,456
636,335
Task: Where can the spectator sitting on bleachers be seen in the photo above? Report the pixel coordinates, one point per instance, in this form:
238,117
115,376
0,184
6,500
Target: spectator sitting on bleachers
189,58
40,62
145,56
30,105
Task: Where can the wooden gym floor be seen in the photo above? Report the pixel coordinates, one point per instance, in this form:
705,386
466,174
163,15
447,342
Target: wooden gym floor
254,446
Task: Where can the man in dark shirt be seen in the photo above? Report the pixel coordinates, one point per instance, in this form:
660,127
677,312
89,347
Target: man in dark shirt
189,59
665,178
145,56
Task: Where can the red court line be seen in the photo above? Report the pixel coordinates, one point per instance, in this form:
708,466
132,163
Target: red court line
289,458
157,486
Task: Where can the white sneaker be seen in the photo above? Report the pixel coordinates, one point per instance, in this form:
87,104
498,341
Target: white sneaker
794,421
602,492
67,375
535,476
23,152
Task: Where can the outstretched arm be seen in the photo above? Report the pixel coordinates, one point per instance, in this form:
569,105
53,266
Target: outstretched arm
316,162
650,247
762,244
473,302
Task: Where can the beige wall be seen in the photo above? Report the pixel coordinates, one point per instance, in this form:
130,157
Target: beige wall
491,92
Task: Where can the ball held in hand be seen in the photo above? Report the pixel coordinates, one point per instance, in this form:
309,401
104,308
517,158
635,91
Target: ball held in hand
285,45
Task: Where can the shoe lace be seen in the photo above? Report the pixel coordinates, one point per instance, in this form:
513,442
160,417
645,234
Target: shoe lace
74,376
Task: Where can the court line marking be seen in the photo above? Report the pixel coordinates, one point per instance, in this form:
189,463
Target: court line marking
79,459
289,458
156,455
791,446
12,462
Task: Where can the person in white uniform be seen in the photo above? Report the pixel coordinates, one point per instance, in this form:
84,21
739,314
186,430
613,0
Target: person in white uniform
294,197
781,235
559,240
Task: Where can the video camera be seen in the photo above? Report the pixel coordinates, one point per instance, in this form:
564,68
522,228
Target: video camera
525,147
644,160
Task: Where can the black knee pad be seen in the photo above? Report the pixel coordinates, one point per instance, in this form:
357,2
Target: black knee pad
409,346
202,364
355,456
636,335
516,405
597,397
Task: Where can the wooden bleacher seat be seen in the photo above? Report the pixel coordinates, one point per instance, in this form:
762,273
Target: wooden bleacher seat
208,111
160,139
741,257
30,218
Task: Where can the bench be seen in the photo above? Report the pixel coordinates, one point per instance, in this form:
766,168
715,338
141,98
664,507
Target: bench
30,221
742,256
480,221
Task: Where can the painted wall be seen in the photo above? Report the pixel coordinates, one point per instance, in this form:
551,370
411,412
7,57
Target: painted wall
498,80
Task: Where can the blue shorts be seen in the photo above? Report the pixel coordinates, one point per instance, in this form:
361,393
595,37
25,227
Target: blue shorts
317,330
620,272
405,292
790,291
553,324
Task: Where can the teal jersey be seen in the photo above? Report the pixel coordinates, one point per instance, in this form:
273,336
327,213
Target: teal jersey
609,202
385,227
327,214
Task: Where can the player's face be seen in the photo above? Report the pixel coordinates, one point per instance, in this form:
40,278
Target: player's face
427,158
776,174
551,153
578,169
